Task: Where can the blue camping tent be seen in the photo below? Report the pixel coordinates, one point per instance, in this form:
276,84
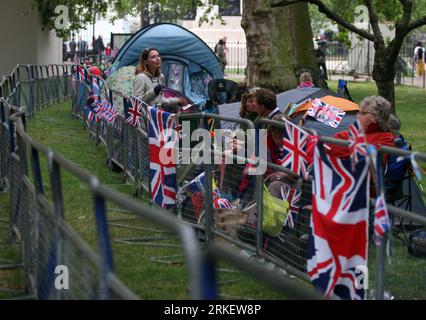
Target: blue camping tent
188,63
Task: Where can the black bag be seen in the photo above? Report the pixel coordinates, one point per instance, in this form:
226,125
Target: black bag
420,54
417,243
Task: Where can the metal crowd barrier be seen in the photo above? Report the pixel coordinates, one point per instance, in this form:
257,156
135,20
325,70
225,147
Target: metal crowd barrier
37,217
289,250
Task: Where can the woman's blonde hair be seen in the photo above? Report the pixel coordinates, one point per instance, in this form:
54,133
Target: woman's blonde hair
305,76
141,67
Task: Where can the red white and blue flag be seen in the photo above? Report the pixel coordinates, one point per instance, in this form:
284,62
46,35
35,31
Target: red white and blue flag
135,112
338,240
82,74
162,139
293,150
293,197
323,112
357,142
381,220
96,87
222,203
106,111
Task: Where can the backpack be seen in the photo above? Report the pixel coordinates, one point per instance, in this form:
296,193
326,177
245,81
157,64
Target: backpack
420,53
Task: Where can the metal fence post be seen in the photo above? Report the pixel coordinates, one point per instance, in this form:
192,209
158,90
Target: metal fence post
103,240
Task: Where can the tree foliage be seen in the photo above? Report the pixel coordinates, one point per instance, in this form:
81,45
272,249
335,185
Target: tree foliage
81,12
403,16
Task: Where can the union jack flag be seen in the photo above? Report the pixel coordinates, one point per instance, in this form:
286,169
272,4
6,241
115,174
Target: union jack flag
222,203
135,112
110,113
82,75
91,115
293,197
100,106
381,220
357,142
96,87
162,137
293,150
338,240
325,113
316,106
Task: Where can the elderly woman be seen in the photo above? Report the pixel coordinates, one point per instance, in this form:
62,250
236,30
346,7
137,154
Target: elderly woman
374,114
150,81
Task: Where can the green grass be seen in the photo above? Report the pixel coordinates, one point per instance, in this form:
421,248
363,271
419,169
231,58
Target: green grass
134,263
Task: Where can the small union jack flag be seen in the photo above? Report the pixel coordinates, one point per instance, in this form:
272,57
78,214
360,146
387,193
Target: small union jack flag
325,113
381,220
90,114
222,203
357,143
293,197
293,150
135,112
96,87
110,113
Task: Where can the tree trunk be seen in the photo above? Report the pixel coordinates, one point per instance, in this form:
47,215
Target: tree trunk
301,37
384,74
276,45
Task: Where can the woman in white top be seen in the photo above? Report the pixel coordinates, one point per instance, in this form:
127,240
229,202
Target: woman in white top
150,81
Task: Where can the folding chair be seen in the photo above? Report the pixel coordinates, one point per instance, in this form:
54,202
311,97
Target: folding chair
223,91
403,192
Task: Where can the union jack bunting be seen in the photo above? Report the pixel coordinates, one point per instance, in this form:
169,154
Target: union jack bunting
110,113
293,197
357,142
338,239
161,152
135,112
381,220
99,109
293,150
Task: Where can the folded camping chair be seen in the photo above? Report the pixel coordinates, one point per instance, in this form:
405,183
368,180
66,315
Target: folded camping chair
342,88
223,91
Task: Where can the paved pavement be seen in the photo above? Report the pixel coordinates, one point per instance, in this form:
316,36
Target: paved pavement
410,81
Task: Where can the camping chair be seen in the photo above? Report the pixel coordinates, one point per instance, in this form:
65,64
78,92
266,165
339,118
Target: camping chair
402,191
223,91
342,88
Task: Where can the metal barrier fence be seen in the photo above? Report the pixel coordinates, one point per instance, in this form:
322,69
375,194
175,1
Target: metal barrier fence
37,217
355,61
289,249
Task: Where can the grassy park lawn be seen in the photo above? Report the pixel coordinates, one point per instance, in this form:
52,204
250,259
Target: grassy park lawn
137,264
